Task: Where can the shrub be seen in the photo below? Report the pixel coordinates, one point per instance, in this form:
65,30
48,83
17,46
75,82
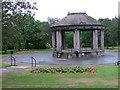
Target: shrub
48,46
63,69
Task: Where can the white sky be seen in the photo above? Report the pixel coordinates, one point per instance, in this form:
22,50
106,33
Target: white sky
60,8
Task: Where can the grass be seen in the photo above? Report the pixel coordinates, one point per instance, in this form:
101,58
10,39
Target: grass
27,52
3,55
114,49
24,52
5,65
105,77
111,47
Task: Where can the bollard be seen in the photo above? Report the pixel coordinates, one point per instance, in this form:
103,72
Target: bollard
33,60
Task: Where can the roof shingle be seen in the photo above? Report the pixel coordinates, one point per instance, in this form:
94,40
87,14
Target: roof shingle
77,19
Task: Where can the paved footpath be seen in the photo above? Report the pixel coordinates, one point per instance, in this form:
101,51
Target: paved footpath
45,59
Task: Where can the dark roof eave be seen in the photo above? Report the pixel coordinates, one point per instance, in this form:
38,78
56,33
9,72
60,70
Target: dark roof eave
63,25
80,27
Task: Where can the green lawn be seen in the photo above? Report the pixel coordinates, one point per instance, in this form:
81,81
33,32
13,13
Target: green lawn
114,50
4,65
105,77
25,52
112,47
3,55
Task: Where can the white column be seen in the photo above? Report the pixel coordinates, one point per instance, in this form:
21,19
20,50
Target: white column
95,40
53,40
102,39
77,40
59,41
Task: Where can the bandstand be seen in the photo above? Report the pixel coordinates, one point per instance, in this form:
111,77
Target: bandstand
76,22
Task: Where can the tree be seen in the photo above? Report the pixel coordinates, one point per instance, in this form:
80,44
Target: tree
52,21
114,32
41,35
111,31
69,39
106,23
28,29
13,14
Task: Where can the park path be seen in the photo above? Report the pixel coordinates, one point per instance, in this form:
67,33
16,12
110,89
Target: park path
45,59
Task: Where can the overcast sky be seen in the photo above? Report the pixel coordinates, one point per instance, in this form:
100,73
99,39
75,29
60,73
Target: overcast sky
60,8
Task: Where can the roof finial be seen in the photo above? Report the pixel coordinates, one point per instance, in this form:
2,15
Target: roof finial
76,12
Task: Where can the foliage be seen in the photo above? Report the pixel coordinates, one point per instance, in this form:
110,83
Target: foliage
52,21
111,31
86,39
63,69
20,30
48,46
16,18
69,39
41,35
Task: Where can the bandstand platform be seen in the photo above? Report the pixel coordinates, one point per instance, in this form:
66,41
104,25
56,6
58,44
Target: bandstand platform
77,22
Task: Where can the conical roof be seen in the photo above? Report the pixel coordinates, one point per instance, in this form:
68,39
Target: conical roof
77,19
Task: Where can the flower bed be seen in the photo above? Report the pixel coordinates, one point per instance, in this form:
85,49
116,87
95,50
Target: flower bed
76,69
